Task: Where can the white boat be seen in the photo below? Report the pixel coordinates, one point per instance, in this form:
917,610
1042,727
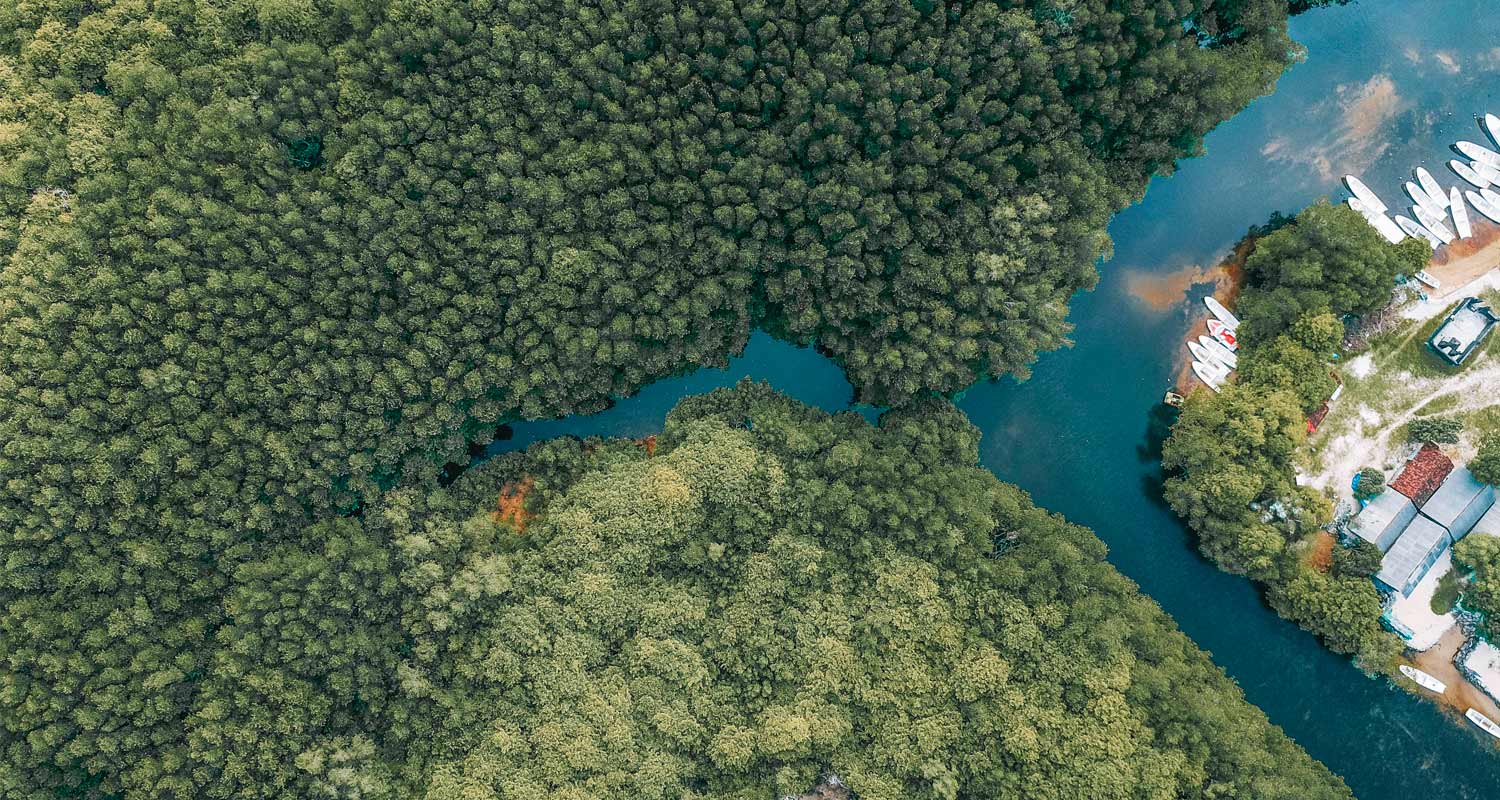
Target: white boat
1492,127
1201,355
1358,188
1221,353
1210,378
1492,197
1217,309
1421,198
1431,187
1467,172
1423,679
1379,221
1488,173
1223,334
1485,723
1478,153
1483,206
1427,278
1416,229
1433,222
1460,214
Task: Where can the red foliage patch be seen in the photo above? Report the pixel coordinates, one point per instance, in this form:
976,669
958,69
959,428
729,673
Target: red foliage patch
648,444
511,508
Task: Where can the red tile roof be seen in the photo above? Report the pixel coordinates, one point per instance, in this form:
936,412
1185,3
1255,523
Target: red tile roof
1317,417
1423,474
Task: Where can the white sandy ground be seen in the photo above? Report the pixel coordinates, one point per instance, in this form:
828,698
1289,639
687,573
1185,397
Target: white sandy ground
1436,304
1484,661
1415,612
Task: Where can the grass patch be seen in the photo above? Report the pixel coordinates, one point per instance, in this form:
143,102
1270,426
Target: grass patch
1446,594
1438,405
1406,348
1484,421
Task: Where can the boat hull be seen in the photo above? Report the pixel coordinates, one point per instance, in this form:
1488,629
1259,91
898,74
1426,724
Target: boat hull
1423,679
1485,723
1466,172
1220,353
1461,224
1218,310
1430,185
1223,335
1415,229
1210,379
1483,206
1479,153
1358,188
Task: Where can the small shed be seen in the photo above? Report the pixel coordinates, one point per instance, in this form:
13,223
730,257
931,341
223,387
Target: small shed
1423,474
1459,503
1465,329
1412,555
1381,522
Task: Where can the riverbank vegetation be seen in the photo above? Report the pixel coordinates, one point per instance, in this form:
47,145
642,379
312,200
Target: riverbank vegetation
768,594
1231,457
260,264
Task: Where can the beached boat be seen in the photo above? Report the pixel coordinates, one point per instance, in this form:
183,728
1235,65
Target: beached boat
1483,206
1426,277
1479,153
1467,172
1461,224
1487,173
1378,221
1492,197
1421,198
1223,354
1433,222
1358,188
1492,127
1423,679
1430,185
1210,378
1223,334
1415,229
1485,723
1217,309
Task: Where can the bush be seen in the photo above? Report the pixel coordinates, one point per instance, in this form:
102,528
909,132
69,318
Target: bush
1437,431
1371,483
1359,560
1486,463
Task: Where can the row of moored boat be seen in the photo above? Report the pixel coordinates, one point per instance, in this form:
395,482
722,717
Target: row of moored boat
1433,206
1214,355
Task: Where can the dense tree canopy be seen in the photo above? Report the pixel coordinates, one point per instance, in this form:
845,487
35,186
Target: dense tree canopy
1480,553
260,262
1329,260
766,594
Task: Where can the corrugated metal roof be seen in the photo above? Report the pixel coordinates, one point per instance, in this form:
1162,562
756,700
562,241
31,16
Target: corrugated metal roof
1423,474
1402,564
1383,519
1490,522
1451,505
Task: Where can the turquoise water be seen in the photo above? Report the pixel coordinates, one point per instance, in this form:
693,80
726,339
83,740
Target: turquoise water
1385,87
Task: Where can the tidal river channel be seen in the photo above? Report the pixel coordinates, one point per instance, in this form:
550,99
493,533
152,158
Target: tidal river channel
1386,86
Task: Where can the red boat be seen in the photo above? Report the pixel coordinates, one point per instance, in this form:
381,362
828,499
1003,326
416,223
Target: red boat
1223,334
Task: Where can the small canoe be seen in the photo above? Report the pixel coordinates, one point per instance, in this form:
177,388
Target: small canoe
1415,229
1218,310
1358,188
1492,127
1427,278
1423,679
1487,173
1210,378
1221,353
1431,187
1421,198
1483,206
1379,221
1467,172
1460,214
1433,222
1481,154
1223,334
1485,723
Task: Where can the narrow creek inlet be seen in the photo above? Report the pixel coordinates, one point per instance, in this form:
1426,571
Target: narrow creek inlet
1386,84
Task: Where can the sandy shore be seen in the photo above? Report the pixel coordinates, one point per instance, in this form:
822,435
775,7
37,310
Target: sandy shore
1461,695
1460,263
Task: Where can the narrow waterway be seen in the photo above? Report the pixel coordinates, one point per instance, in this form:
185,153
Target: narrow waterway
1386,86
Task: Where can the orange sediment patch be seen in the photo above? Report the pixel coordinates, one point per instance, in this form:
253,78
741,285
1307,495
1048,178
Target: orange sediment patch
1227,277
511,507
1162,292
1437,661
1320,555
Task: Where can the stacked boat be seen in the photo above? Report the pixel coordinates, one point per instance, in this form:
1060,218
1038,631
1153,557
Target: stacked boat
1214,355
1433,206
